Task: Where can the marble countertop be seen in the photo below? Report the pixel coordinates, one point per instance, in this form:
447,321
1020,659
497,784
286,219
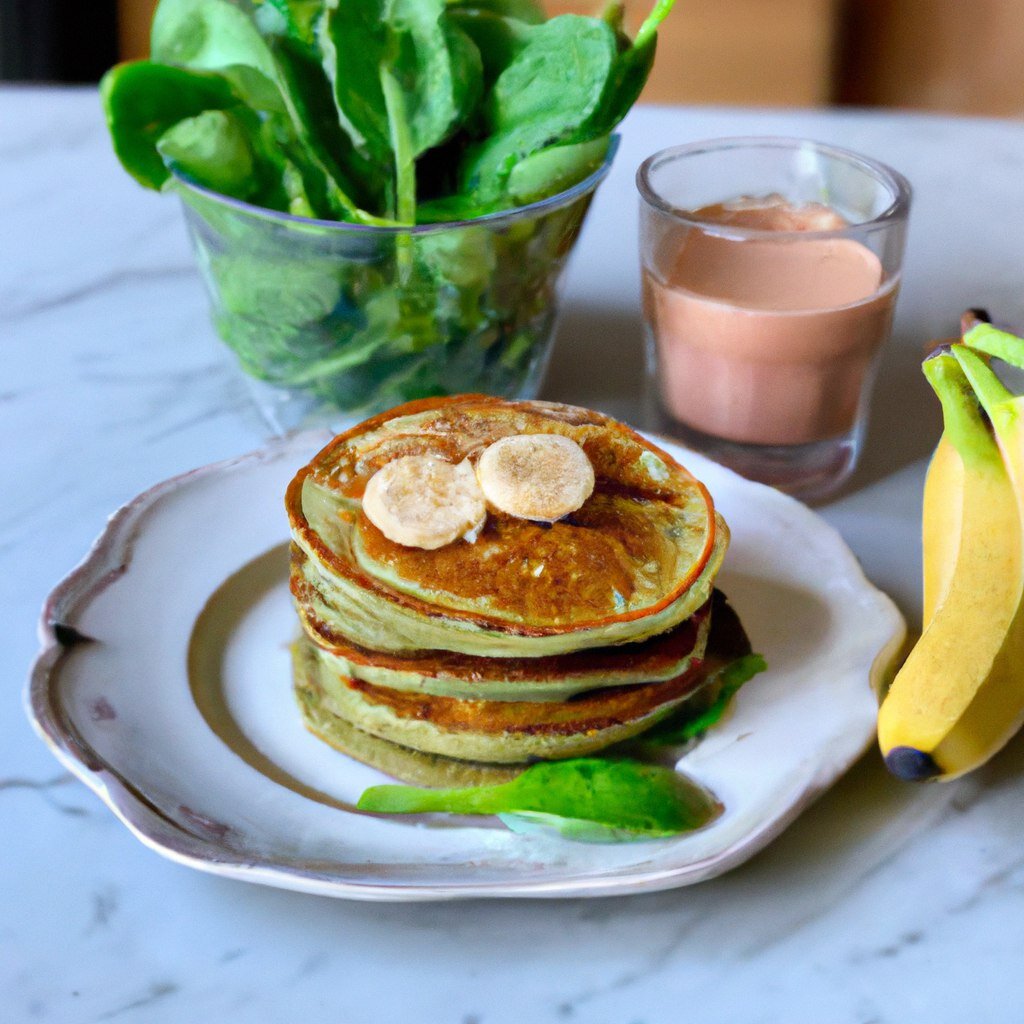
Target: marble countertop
883,902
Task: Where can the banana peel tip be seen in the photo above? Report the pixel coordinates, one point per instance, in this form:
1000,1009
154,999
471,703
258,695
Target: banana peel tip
911,765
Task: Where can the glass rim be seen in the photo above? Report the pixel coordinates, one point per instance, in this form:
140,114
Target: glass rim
536,208
898,185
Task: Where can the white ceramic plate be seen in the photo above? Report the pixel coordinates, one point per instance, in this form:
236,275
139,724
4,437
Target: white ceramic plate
183,602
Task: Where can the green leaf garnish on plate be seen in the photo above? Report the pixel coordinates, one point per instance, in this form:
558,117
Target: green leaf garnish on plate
672,731
589,799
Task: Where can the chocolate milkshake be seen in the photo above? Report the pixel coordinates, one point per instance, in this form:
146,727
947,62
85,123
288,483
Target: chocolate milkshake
770,271
768,338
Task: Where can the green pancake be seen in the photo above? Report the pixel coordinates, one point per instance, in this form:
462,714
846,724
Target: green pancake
431,740
402,763
559,677
497,732
636,560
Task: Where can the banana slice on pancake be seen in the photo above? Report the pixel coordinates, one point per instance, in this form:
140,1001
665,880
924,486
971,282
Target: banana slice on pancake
423,502
542,477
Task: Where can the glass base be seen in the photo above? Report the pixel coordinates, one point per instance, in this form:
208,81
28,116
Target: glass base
810,472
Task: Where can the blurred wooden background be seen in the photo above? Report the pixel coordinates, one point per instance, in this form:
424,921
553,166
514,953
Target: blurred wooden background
962,56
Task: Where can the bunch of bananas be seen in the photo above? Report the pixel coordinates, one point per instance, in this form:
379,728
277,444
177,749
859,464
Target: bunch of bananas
959,697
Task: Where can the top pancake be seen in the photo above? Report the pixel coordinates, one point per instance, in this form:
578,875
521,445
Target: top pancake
631,553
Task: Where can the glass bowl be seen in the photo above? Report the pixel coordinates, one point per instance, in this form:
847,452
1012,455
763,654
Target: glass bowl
348,319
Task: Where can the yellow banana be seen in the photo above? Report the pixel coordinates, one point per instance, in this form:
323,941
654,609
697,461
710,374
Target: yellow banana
940,524
960,695
942,515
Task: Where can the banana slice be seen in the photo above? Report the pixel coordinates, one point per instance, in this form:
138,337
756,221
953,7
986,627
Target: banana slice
536,476
422,502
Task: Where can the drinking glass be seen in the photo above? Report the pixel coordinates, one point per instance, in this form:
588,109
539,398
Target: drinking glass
771,268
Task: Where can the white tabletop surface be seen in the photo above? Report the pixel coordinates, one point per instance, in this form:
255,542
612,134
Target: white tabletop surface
883,903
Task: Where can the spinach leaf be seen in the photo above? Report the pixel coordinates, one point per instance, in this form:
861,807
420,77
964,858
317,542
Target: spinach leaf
433,63
464,257
295,19
525,115
548,92
403,77
497,38
585,798
549,87
453,208
527,11
210,35
235,153
274,74
672,732
552,170
213,149
438,67
629,75
353,37
142,100
294,292
347,181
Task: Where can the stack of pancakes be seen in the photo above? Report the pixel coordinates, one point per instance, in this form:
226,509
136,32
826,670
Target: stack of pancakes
529,641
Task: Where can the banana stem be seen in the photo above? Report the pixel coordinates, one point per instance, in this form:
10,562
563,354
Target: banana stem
971,317
983,337
996,399
963,421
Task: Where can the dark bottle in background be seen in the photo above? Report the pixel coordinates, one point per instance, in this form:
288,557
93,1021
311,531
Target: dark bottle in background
57,40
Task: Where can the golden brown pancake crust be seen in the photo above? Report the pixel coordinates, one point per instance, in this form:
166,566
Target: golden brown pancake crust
586,564
416,767
590,712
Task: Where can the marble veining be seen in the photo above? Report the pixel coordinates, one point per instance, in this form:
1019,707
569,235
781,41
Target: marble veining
112,282
882,903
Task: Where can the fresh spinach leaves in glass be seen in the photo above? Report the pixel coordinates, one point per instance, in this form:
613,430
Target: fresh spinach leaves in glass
379,114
